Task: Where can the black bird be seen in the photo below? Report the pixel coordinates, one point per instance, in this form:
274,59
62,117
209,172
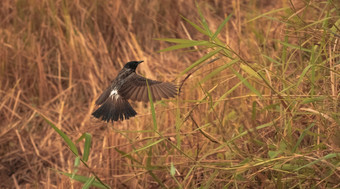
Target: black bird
113,101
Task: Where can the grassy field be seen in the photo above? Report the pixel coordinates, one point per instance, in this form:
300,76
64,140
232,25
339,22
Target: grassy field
258,105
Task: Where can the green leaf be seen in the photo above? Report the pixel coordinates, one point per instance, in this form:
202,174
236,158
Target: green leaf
303,134
218,70
268,13
77,161
172,169
227,93
128,156
196,27
295,46
303,75
254,111
185,45
84,179
250,71
246,83
328,156
204,21
76,165
283,145
174,40
313,99
88,183
149,145
199,61
274,154
153,112
271,59
68,141
220,27
87,146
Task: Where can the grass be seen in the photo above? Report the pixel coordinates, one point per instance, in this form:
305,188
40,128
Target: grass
258,104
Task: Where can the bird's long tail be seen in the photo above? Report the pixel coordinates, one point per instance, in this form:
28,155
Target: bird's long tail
114,109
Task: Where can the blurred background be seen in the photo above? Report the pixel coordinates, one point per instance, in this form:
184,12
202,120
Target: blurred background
262,113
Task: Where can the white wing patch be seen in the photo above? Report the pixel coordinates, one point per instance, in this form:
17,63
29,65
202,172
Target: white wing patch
114,93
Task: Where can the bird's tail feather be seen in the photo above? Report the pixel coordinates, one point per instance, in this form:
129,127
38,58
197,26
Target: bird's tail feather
114,109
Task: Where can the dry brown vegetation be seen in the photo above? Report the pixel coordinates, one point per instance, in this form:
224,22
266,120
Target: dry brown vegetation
269,120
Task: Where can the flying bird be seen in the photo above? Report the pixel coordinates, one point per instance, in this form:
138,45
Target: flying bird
128,84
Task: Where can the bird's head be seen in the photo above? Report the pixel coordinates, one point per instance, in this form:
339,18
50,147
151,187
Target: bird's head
132,65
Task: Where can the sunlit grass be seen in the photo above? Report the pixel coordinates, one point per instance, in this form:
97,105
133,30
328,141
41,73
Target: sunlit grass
258,103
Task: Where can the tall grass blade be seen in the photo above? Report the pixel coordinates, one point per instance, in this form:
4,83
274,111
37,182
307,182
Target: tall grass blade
196,27
124,154
220,27
149,145
247,84
297,47
153,112
204,21
87,146
250,71
199,61
303,134
84,179
185,45
68,141
326,157
89,182
218,70
175,40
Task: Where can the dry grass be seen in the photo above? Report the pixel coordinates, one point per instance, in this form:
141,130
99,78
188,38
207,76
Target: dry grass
57,56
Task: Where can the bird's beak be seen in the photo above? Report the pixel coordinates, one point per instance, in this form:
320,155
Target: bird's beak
140,61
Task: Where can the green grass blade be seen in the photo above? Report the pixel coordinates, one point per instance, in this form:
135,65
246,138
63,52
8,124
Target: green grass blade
84,179
204,21
128,156
87,146
246,83
268,13
68,141
153,112
149,145
250,71
89,182
272,59
227,93
174,40
301,137
172,174
199,61
313,99
172,169
185,45
295,46
220,27
149,167
328,156
80,138
302,75
218,70
196,27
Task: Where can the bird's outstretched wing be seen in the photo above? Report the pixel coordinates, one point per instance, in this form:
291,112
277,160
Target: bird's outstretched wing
102,98
136,89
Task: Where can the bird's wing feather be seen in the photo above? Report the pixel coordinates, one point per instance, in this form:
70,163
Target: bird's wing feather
135,89
102,98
